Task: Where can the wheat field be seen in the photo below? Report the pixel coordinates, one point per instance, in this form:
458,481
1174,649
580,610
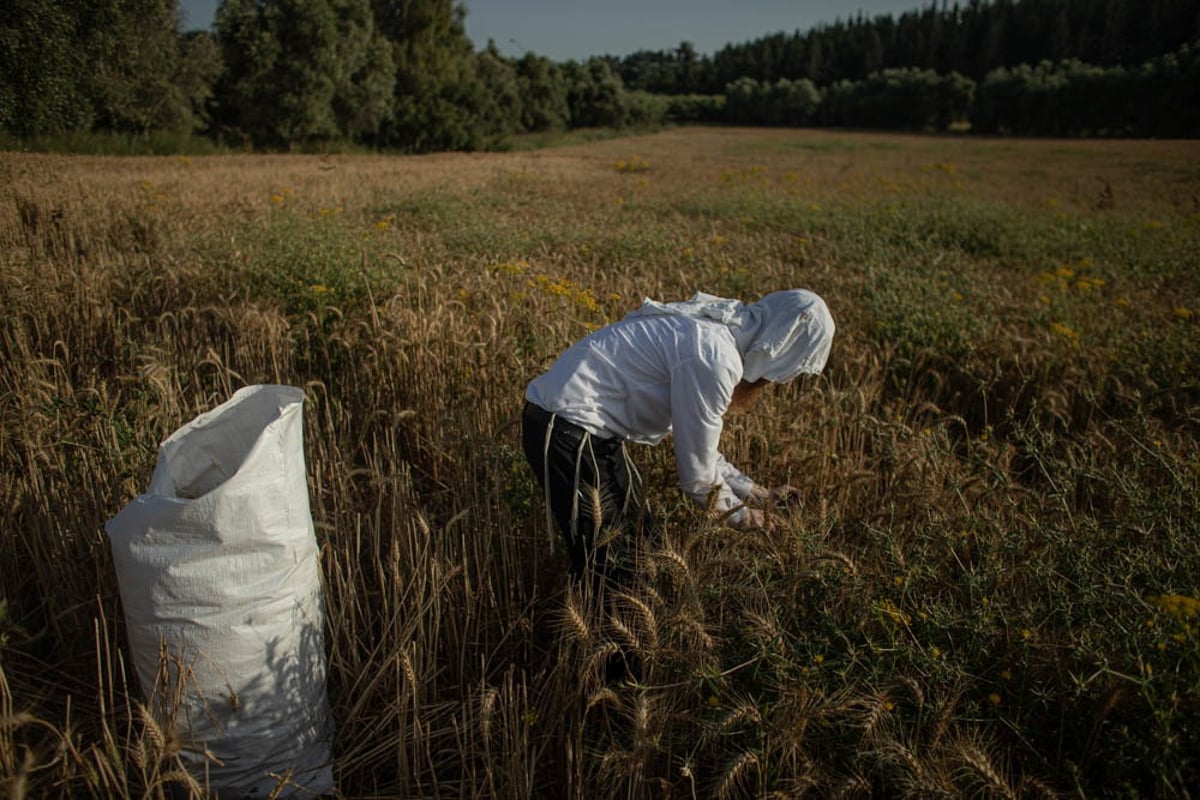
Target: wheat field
990,587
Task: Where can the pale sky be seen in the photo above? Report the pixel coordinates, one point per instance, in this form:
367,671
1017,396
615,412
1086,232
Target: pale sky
576,29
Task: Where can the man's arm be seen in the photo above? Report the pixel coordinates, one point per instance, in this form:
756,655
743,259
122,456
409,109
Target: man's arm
700,395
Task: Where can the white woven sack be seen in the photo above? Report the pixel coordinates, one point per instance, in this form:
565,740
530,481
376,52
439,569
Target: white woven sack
218,563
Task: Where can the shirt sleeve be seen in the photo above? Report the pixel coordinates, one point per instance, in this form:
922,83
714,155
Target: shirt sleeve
700,395
741,483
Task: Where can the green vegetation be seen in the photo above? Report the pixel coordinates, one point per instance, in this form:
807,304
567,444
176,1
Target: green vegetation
989,587
119,76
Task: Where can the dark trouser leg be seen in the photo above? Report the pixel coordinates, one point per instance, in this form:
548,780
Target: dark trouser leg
593,497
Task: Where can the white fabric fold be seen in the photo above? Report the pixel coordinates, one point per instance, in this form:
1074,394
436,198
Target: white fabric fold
783,335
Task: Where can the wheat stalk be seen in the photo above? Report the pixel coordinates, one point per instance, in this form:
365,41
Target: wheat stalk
649,624
487,707
853,786
574,624
984,769
733,780
625,632
602,696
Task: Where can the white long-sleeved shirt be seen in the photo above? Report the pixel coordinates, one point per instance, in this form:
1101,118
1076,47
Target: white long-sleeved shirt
644,377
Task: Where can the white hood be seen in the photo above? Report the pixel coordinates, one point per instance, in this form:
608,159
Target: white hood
781,336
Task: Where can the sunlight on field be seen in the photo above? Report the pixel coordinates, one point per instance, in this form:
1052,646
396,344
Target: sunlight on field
987,587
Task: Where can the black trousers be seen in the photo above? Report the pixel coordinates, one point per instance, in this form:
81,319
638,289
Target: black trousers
593,492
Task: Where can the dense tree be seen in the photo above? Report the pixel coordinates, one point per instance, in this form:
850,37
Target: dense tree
40,69
1070,98
75,64
543,94
428,38
784,102
132,51
365,78
498,108
595,95
435,85
686,73
899,99
303,70
280,63
197,74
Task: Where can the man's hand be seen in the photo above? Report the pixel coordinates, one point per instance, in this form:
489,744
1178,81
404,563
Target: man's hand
758,496
786,496
753,519
781,496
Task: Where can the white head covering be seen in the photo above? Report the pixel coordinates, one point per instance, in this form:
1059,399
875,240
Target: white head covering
781,336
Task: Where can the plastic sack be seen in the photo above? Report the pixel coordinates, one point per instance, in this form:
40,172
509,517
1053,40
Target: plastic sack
217,566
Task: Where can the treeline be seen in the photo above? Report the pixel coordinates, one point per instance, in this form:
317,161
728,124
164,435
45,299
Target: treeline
111,65
402,74
281,73
972,39
1065,98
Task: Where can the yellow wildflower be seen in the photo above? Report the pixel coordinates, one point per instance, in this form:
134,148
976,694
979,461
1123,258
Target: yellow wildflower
888,609
1177,605
1066,332
634,164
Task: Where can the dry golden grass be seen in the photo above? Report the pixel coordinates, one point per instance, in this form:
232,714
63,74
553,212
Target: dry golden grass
997,470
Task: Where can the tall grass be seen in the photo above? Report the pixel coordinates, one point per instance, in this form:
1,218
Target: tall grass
989,586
